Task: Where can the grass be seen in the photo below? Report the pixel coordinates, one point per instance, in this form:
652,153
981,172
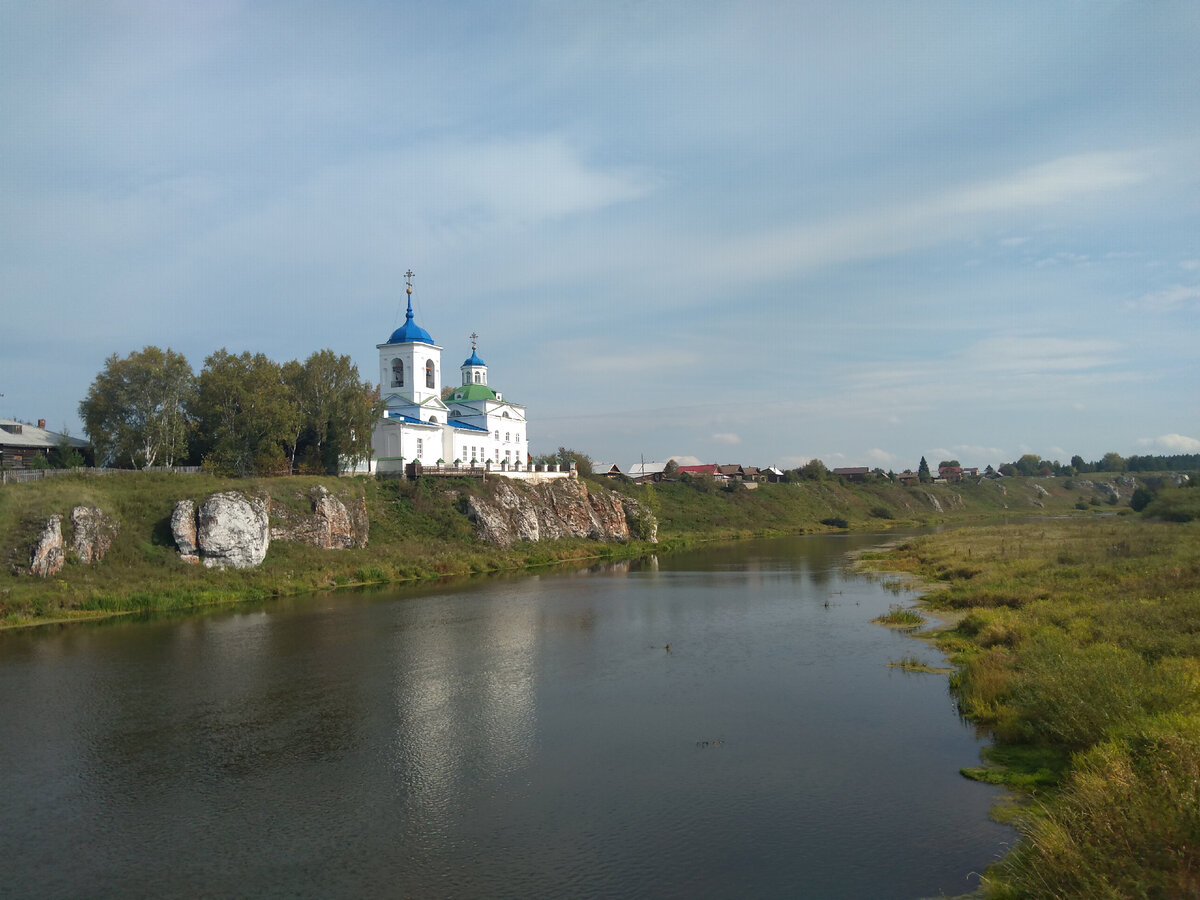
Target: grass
900,617
1078,648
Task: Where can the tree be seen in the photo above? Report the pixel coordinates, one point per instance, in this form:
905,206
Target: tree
1079,464
923,472
813,470
136,408
671,470
947,463
1028,464
245,412
64,455
1111,462
337,412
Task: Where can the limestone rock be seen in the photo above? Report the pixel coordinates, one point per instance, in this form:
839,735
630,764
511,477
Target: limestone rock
331,526
48,557
93,531
183,529
1040,491
560,508
233,530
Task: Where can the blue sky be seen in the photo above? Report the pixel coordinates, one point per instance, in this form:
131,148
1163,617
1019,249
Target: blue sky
741,232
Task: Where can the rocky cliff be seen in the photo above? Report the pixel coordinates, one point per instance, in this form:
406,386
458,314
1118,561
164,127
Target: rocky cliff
515,511
332,524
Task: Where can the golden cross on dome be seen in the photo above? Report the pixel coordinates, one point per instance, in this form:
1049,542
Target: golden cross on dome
408,277
474,338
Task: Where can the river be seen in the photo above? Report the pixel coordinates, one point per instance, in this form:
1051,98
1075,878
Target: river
713,723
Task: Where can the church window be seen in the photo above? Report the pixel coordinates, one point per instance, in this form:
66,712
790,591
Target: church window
420,448
429,373
507,436
497,435
433,420
397,373
477,377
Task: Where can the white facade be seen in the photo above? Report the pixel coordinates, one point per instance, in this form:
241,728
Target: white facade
475,425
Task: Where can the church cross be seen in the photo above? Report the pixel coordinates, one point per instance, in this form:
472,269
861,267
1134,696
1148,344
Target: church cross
474,338
408,277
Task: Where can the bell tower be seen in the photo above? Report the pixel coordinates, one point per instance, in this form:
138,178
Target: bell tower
410,363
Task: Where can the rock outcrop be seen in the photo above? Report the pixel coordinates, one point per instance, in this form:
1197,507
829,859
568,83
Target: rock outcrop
332,525
560,508
93,531
230,529
183,529
48,557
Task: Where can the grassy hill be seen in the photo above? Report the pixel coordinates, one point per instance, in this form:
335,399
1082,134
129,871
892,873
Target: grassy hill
420,530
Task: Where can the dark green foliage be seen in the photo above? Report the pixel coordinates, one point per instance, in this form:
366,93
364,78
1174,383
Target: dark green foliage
923,472
835,522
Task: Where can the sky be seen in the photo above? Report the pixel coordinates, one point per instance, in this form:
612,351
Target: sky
748,232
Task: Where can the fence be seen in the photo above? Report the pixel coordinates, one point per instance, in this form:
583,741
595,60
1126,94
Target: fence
17,476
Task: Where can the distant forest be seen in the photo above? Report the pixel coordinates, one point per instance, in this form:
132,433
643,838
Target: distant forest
1029,464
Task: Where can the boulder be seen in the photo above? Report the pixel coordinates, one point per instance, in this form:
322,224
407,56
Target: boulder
93,531
233,530
48,557
183,529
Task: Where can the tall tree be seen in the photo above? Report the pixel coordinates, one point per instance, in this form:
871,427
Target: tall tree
923,472
245,412
136,408
337,410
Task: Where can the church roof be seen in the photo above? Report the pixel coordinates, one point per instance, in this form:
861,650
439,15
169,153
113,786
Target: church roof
473,359
410,332
472,392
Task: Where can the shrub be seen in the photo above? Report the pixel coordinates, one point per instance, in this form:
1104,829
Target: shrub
881,512
835,522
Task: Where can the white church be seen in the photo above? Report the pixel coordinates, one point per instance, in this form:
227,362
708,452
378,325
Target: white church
473,426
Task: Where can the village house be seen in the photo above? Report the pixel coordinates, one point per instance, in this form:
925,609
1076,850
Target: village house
22,444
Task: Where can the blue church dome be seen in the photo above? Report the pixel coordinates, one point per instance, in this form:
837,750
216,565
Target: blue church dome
473,359
410,332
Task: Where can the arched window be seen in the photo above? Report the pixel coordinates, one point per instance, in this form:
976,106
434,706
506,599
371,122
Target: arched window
433,420
477,377
506,415
397,373
497,435
429,373
507,436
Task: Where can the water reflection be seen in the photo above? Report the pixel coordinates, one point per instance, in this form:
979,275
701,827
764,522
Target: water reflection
509,737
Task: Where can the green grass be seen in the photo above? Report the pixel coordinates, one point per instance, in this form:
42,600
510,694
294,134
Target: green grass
1079,650
900,617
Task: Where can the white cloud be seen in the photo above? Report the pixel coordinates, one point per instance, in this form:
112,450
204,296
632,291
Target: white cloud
685,460
939,217
1168,298
881,457
726,438
1173,443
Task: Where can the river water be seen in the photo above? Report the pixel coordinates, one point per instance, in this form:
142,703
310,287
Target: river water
523,737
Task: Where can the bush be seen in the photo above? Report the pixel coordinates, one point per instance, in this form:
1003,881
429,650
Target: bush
835,522
881,512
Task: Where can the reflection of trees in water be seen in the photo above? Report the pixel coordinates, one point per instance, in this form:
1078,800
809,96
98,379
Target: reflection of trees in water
230,696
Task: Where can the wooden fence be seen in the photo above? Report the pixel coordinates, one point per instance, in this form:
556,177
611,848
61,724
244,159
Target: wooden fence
16,476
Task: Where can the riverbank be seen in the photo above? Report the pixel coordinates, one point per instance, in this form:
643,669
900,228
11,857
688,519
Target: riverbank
420,530
1078,651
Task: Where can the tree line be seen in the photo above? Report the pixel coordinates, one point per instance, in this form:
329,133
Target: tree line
1031,464
243,414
